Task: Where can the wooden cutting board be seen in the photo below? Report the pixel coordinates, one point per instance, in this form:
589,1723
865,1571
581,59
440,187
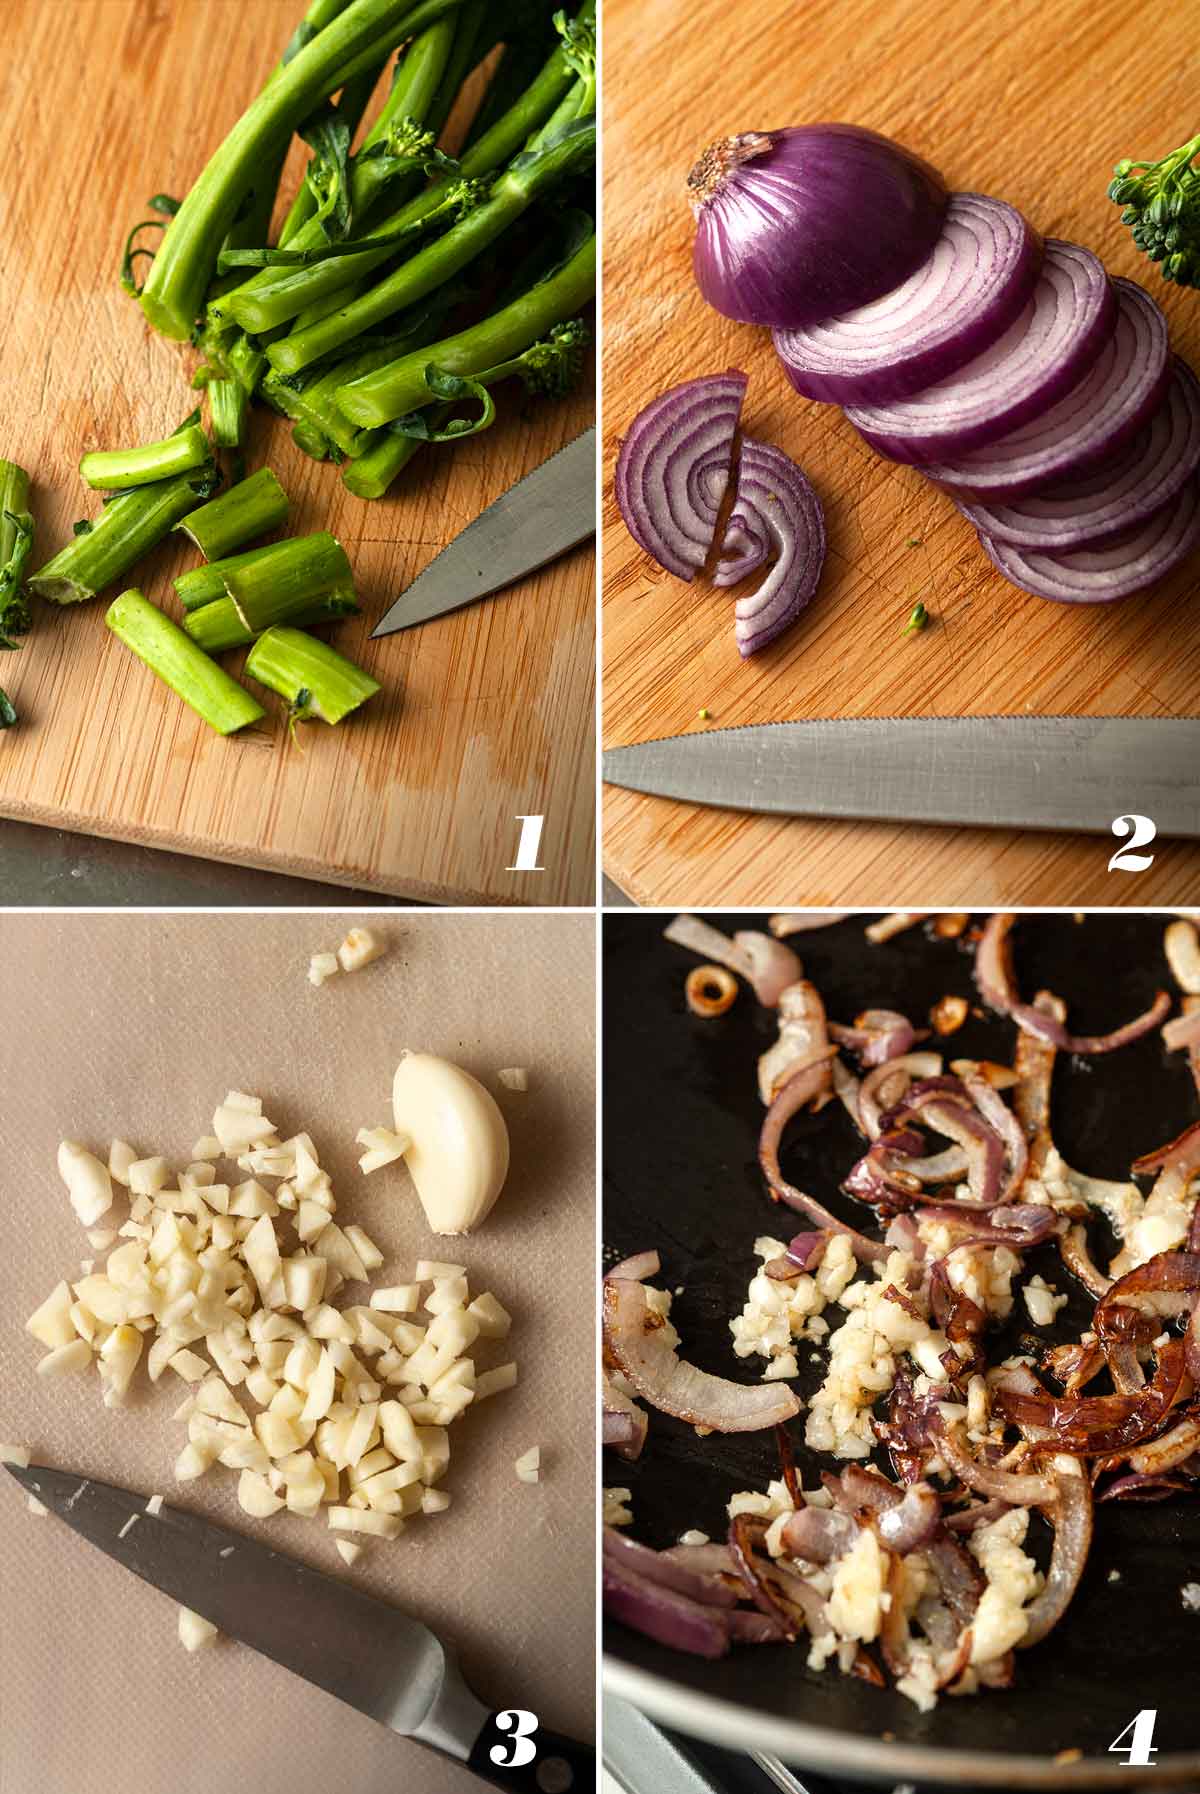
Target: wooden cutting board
486,714
1032,100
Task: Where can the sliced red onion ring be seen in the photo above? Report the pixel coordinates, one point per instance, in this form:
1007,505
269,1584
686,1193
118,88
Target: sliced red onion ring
780,1593
802,224
883,1087
673,468
773,967
1073,1250
1099,1425
1119,393
1146,1488
818,1534
624,1424
1169,1450
913,1521
803,921
802,1040
970,1519
638,1268
1071,1513
994,976
775,512
1017,1489
1035,363
798,1090
674,1386
1086,511
662,1613
1123,565
974,284
878,1035
1047,1027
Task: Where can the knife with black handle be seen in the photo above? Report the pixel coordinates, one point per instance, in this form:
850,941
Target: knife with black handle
367,1653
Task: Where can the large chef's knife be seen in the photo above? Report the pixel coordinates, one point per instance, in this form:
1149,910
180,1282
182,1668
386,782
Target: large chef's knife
1074,773
365,1652
551,510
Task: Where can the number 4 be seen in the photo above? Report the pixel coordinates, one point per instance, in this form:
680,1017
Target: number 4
1140,1733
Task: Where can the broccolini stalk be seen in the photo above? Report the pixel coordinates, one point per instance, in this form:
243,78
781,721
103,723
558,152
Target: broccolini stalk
228,405
317,681
309,440
249,509
401,387
551,366
382,461
180,273
116,470
1162,210
333,126
174,658
291,573
127,528
219,626
205,585
529,176
16,541
274,296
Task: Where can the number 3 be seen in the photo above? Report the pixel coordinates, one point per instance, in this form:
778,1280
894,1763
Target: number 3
1125,859
522,1725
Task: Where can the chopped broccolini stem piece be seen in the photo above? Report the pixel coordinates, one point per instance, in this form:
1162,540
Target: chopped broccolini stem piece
386,457
118,470
912,541
316,680
174,658
917,621
287,574
221,625
128,528
16,543
249,509
228,408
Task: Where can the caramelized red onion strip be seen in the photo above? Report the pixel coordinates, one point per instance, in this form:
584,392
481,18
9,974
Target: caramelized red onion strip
1071,1516
795,1093
669,1383
663,1613
997,985
1098,1425
698,1585
998,1485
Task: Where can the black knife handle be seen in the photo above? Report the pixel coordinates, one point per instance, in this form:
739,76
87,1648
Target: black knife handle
515,1752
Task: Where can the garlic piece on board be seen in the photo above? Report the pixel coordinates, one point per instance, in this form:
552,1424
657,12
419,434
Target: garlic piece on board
458,1152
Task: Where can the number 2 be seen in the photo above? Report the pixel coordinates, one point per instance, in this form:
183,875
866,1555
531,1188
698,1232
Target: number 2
1140,1733
522,1725
1143,832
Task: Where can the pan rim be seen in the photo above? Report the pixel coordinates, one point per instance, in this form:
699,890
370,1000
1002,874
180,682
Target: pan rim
735,1726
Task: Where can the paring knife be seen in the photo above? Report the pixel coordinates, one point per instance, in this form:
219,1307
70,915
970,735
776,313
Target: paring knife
550,510
365,1652
1070,773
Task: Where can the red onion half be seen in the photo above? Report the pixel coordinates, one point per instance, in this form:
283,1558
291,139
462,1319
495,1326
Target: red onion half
775,512
1035,363
674,466
973,286
1119,393
796,226
1085,511
1126,564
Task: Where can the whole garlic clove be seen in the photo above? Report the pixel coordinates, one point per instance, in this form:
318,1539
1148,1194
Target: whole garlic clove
458,1151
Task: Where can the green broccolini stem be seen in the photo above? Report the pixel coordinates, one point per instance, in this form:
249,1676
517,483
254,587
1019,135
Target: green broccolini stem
316,680
401,387
274,295
183,267
205,585
309,440
289,573
251,508
125,530
174,658
16,543
386,457
512,195
220,626
228,406
115,470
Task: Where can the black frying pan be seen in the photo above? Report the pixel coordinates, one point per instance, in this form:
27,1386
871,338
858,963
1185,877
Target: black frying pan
681,1117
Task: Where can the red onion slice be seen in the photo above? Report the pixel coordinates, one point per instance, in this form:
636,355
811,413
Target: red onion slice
659,1566
1120,392
1034,364
1083,512
975,283
1128,563
797,225
674,1386
1071,1513
775,512
662,1613
673,468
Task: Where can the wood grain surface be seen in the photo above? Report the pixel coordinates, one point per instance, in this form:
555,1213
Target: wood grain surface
1032,100
486,714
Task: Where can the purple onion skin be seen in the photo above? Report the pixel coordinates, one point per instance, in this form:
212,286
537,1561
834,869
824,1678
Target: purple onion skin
909,365
798,225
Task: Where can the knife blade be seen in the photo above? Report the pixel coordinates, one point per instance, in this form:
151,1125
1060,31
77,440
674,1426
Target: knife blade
551,510
364,1651
1071,773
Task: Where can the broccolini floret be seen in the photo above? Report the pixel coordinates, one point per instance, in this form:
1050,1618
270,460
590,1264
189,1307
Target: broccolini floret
1161,202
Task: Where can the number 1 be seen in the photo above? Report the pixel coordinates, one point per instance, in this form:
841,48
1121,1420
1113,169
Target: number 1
527,846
